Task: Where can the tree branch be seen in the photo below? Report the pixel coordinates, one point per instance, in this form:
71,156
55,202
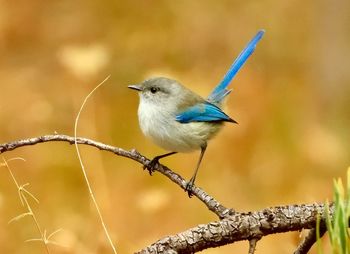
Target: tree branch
232,227
309,240
212,204
252,245
238,227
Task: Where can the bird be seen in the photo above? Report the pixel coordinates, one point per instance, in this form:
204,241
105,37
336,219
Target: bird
178,119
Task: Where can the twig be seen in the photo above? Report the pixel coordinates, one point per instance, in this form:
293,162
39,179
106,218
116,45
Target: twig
212,204
309,240
252,245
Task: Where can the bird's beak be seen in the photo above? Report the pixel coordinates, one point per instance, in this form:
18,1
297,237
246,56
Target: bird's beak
135,87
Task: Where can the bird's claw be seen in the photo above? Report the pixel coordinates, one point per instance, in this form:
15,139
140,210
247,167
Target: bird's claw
151,165
189,187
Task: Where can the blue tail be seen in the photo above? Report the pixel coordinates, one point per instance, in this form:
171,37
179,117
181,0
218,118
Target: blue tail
220,91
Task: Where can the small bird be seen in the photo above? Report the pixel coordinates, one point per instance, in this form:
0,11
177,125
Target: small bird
179,120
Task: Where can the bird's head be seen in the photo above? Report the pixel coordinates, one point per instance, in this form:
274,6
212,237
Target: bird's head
159,90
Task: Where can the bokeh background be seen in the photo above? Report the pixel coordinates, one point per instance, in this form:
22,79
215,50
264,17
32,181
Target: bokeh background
291,99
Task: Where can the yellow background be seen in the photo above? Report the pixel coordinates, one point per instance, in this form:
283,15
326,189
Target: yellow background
291,100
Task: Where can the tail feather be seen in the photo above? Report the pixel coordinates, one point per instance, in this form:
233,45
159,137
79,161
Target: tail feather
220,91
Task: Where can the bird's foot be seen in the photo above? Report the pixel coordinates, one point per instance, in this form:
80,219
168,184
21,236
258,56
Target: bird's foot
151,165
189,187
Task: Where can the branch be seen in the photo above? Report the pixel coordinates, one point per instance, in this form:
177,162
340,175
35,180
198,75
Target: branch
240,226
309,240
252,245
232,227
212,204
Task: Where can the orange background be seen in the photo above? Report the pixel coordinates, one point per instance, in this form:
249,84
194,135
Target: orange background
291,99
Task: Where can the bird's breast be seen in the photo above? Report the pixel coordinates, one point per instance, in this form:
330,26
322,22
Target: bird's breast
159,124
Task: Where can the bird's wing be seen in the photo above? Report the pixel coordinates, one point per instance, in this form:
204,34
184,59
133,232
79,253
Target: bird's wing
220,91
203,112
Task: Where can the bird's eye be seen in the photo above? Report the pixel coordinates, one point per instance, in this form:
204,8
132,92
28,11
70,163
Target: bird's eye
154,89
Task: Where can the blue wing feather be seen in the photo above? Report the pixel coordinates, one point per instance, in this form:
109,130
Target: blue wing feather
220,91
203,112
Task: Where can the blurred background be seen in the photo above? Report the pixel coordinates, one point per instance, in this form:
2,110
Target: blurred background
291,100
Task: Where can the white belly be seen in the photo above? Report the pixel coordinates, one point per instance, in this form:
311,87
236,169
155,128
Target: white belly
161,126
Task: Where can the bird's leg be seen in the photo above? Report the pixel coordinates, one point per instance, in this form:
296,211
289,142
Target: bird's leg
190,184
151,165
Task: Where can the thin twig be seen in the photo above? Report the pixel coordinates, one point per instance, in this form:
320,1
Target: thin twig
252,245
212,204
309,240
